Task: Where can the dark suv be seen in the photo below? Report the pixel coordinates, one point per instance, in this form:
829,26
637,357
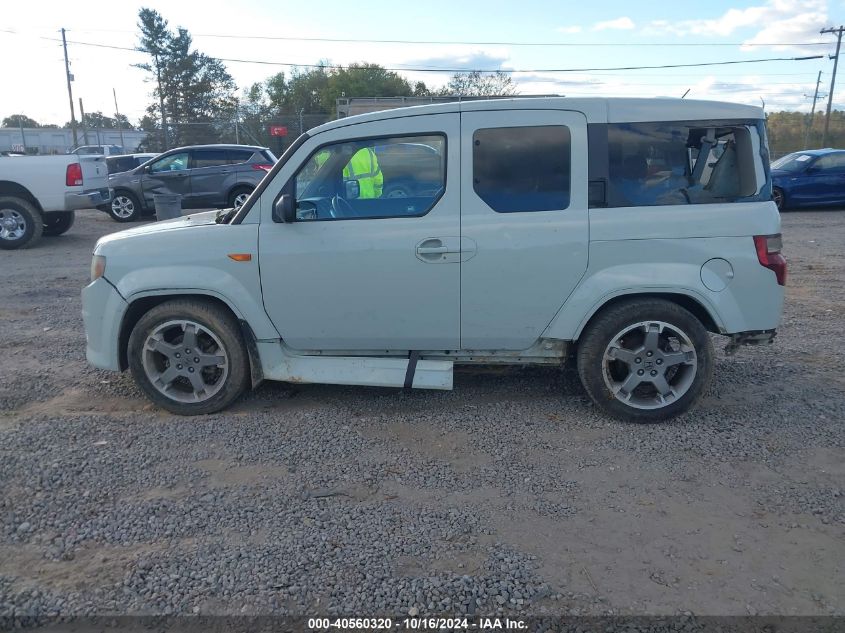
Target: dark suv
206,176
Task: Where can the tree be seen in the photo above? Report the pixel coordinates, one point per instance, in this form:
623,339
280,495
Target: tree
194,92
19,120
363,80
478,84
97,120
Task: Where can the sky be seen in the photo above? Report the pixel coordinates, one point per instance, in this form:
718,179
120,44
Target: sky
435,34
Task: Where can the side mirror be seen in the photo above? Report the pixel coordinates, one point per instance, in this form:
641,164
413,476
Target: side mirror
284,211
352,189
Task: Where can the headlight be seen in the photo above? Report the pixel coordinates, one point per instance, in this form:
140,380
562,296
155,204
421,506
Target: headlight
98,267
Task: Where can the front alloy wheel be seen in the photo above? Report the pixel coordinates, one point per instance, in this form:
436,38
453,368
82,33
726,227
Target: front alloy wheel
189,356
124,208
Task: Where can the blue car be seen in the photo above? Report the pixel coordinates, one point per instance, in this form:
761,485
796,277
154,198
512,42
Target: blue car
811,178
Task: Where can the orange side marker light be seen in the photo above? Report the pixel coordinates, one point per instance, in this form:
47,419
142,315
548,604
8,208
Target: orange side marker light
241,257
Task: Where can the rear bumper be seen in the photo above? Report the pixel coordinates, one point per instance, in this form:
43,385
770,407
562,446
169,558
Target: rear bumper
87,199
102,312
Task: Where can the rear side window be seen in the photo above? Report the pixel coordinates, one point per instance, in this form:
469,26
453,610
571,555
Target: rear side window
210,158
665,163
521,169
240,155
120,164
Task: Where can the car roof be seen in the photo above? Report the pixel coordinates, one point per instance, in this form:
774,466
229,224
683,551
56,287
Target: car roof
219,146
596,109
132,155
819,152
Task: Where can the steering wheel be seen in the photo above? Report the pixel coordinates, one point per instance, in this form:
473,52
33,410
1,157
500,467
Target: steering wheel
341,208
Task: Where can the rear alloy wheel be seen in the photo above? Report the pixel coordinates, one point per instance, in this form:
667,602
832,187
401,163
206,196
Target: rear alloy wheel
238,197
777,196
645,360
189,357
124,207
21,224
58,222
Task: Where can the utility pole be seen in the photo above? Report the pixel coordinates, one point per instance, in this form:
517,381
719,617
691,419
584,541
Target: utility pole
69,91
117,116
161,104
838,32
812,113
82,121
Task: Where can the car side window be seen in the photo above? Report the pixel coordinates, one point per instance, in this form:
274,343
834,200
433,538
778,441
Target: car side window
210,158
394,177
174,162
520,169
238,156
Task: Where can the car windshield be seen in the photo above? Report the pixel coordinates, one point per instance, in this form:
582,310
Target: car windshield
792,162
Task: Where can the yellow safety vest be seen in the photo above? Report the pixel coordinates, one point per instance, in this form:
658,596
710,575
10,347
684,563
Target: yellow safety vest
364,168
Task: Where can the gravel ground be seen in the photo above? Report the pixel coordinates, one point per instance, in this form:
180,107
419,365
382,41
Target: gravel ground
510,494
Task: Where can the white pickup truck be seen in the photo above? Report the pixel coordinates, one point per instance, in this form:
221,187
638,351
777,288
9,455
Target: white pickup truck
39,194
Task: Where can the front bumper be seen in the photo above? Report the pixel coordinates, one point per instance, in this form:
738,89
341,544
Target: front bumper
87,199
102,312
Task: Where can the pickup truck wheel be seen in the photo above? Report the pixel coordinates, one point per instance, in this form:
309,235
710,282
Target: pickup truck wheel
21,223
125,207
58,222
645,360
189,357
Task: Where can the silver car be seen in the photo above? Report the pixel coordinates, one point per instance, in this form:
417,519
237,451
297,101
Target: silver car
206,176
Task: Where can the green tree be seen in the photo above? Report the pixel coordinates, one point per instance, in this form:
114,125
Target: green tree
363,80
478,84
195,94
98,120
19,120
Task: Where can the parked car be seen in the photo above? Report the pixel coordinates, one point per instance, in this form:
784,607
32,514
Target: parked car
206,176
810,178
127,162
39,195
524,253
103,150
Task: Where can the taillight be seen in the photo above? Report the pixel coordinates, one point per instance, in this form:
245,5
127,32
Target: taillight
73,175
263,166
768,254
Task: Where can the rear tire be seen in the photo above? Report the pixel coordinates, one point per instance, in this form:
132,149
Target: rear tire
239,196
58,222
645,360
21,223
189,357
124,207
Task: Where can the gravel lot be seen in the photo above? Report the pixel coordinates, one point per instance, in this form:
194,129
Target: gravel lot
509,494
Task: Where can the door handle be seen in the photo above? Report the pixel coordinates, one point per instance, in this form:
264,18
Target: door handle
432,250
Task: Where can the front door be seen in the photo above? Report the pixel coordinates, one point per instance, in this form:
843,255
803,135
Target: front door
362,269
524,213
168,175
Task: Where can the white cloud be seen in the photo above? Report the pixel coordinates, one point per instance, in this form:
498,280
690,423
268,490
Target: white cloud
775,21
570,30
624,23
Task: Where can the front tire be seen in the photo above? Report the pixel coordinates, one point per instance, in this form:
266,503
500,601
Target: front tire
189,357
645,360
58,222
124,207
778,198
21,223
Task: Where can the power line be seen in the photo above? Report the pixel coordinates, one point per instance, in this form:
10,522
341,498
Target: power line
405,68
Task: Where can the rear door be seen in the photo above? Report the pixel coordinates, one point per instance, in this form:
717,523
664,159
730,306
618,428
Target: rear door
211,177
524,222
169,174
